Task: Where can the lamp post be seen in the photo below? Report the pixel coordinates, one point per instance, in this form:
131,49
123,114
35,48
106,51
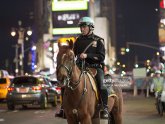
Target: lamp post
21,33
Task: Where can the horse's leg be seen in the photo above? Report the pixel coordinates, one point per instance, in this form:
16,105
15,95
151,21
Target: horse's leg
117,110
111,101
117,117
71,121
86,120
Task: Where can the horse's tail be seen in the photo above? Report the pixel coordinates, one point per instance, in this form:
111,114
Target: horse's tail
118,92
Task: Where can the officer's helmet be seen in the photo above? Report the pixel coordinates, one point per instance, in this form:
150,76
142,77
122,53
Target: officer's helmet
86,21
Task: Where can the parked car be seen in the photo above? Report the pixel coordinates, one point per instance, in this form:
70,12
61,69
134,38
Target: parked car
4,84
33,90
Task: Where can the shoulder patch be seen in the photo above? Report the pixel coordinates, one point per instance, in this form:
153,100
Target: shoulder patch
102,40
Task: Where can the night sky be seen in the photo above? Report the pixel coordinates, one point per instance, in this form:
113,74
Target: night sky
10,12
136,22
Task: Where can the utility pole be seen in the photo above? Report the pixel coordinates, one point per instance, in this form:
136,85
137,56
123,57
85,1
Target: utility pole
21,33
16,59
140,44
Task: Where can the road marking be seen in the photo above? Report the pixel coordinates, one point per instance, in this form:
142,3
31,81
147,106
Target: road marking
1,119
2,110
39,112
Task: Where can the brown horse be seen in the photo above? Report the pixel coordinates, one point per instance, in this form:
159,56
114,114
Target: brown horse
79,99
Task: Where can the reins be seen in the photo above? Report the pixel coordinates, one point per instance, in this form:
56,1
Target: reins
67,80
88,46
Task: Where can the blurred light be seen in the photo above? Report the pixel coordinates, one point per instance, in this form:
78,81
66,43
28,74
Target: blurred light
16,70
69,22
26,38
123,72
122,49
122,52
29,32
162,4
156,9
26,74
123,66
148,61
35,66
33,47
157,53
127,50
162,21
149,67
50,48
148,70
13,32
162,48
118,63
113,69
136,65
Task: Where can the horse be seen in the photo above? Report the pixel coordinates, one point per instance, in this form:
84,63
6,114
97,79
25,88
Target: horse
80,99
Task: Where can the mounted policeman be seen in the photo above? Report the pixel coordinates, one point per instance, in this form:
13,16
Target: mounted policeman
89,48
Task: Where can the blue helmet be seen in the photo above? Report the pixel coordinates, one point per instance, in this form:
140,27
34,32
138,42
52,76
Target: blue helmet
86,21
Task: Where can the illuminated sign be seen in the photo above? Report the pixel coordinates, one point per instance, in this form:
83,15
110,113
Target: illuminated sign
161,30
67,19
69,5
57,31
66,15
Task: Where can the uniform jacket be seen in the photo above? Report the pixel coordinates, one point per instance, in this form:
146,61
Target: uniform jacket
157,84
96,51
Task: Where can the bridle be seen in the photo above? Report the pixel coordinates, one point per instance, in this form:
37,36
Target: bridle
67,80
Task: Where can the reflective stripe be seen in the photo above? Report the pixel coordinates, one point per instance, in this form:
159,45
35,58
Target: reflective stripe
158,84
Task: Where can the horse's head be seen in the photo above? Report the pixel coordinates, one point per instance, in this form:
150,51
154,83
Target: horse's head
65,61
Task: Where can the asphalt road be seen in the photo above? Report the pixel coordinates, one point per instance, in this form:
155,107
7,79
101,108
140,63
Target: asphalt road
137,110
141,110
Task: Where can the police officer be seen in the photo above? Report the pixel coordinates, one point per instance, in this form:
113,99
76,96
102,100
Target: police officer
90,47
158,83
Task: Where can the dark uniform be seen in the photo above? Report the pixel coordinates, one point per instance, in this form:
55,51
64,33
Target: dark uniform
95,58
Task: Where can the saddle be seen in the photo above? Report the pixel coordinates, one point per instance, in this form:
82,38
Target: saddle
92,71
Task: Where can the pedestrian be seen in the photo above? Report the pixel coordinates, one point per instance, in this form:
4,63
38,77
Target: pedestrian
89,48
158,83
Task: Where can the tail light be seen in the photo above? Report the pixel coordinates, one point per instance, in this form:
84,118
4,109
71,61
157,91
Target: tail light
10,89
58,88
37,88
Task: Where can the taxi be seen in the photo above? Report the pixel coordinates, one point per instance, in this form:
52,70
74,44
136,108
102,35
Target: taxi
4,84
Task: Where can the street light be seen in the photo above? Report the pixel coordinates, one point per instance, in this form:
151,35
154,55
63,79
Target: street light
21,32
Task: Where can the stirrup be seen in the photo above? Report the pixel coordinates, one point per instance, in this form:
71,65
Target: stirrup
104,114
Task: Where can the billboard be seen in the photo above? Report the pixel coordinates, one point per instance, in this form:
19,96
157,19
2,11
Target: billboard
66,14
161,30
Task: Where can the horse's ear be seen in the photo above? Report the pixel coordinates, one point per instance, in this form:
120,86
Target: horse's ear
70,42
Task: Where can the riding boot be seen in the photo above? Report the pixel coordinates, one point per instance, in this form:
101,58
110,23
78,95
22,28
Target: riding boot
104,95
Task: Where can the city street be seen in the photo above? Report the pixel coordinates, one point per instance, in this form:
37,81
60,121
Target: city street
137,110
141,110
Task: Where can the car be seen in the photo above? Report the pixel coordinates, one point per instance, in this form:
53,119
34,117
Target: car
25,90
4,84
57,90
